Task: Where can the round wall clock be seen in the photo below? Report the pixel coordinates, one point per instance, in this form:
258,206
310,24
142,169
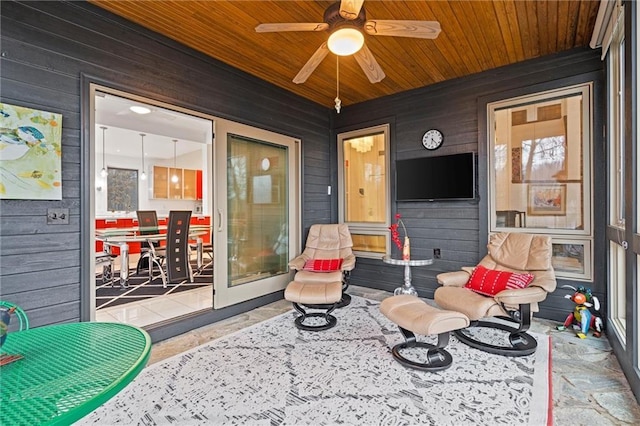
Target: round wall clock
432,139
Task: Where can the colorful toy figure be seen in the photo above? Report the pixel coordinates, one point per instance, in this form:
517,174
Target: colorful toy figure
5,319
582,315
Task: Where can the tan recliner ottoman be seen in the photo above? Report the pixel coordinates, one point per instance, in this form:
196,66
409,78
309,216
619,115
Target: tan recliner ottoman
314,294
413,315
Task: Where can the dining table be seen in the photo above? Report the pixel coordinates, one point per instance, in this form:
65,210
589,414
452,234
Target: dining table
65,371
123,236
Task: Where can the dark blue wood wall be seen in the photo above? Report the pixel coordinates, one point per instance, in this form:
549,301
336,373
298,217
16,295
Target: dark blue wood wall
46,47
458,109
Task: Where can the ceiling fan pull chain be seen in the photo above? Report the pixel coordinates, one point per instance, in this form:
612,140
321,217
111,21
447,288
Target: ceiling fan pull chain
337,99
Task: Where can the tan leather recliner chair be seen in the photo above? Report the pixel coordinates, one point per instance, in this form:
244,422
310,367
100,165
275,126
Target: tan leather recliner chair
512,252
322,290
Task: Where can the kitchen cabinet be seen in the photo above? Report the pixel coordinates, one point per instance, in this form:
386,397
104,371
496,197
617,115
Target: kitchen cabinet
188,187
117,223
189,184
160,182
198,184
175,188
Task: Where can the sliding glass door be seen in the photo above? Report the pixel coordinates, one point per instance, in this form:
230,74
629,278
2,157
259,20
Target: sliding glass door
154,157
256,229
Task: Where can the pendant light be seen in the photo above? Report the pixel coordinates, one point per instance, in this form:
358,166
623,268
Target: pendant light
103,172
143,175
174,178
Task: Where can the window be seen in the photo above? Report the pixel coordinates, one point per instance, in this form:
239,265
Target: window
615,124
364,188
540,172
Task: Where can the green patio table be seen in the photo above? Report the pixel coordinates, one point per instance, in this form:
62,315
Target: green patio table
68,370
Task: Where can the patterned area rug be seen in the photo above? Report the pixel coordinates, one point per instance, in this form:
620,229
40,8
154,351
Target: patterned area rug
141,288
274,374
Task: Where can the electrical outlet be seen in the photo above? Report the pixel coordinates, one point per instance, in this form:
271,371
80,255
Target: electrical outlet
436,253
57,216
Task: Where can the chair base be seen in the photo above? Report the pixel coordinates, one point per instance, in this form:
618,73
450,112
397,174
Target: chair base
330,320
107,274
147,262
344,301
107,262
408,311
522,343
438,358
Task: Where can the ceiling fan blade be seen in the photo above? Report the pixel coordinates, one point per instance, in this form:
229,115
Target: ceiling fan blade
369,64
311,64
349,9
417,29
296,26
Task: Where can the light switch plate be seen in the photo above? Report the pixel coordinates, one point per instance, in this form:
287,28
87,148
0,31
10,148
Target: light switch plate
58,216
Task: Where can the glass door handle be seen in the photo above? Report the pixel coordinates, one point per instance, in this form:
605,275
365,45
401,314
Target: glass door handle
219,220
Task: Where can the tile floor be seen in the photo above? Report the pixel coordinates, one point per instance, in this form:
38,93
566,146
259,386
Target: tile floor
147,312
159,309
589,387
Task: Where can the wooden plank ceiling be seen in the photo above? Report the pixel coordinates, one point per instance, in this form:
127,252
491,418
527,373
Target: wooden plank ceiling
476,35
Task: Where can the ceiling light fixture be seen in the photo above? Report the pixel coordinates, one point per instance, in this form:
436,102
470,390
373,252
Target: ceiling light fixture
138,109
103,172
143,175
345,41
265,164
362,145
174,178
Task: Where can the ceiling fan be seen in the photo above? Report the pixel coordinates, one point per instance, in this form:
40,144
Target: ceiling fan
345,21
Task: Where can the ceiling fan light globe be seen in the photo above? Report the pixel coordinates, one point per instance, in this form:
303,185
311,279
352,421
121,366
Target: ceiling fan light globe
345,41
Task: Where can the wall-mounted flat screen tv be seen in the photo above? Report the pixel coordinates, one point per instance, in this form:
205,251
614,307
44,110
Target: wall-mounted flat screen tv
446,177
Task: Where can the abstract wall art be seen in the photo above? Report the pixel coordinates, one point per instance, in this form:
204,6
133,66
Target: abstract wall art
547,200
122,190
30,154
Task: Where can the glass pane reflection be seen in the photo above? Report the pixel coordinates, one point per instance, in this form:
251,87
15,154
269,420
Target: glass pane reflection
257,201
365,181
538,165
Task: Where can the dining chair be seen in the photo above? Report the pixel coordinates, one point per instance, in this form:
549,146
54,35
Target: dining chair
152,253
177,249
106,260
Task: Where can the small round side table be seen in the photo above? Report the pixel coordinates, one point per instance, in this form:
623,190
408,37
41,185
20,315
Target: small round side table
407,287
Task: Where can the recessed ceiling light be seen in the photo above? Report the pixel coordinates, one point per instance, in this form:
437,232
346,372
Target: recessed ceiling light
140,109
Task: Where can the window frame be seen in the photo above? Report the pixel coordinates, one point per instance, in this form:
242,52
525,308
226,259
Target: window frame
582,236
616,125
617,245
380,229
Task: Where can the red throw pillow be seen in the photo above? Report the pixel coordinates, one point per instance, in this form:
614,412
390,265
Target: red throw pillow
491,282
323,265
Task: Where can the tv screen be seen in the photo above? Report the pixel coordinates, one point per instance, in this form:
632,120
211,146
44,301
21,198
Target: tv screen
447,177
